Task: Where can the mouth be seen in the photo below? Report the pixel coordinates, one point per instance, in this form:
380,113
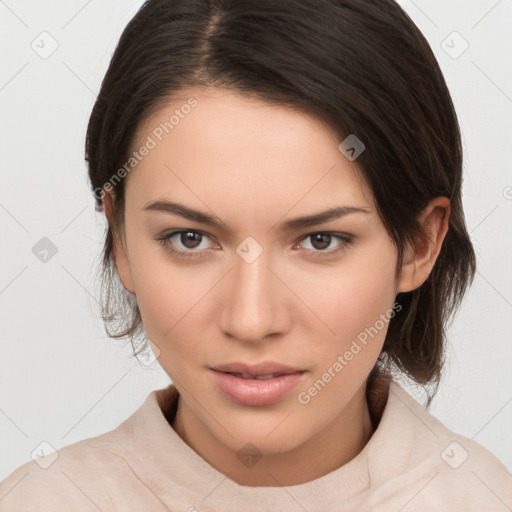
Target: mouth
264,370
256,390
256,377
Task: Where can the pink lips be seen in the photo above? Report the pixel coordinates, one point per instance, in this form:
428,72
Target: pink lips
262,368
255,392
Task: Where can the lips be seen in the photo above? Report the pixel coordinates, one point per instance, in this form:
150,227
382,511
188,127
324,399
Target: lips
258,377
265,369
256,391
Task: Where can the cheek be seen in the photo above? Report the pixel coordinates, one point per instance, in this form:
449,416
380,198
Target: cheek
166,303
358,312
169,297
360,305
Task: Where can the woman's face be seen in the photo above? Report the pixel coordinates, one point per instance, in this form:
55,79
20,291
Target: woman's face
246,290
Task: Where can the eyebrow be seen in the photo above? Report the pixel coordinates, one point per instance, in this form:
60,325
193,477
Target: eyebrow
289,225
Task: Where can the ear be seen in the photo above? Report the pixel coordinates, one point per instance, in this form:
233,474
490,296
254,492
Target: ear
120,253
417,267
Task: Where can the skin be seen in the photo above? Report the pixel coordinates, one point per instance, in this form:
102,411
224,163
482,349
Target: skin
254,165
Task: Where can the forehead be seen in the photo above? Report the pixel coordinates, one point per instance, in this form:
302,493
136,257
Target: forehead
220,144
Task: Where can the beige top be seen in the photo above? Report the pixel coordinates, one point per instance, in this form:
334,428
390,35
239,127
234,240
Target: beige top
411,463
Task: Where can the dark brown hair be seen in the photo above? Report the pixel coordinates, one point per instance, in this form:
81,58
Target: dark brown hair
360,66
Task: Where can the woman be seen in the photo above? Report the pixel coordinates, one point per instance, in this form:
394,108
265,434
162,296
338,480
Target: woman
282,185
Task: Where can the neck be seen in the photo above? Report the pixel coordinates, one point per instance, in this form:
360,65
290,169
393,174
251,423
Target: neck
335,445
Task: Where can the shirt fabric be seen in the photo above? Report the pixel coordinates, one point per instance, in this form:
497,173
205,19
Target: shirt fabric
412,462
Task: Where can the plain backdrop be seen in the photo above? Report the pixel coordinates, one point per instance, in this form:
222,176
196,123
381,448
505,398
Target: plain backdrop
61,378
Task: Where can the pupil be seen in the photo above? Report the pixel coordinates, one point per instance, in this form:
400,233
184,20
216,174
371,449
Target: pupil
188,237
324,240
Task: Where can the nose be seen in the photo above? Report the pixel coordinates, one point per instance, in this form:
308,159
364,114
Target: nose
255,303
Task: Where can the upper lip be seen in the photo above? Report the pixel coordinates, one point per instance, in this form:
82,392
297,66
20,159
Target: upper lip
263,368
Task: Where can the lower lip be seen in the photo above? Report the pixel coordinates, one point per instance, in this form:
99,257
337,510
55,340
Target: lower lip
255,392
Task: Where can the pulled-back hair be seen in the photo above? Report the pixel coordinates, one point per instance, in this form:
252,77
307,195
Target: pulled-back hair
360,66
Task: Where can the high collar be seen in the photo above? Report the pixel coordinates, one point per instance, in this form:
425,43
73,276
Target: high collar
169,466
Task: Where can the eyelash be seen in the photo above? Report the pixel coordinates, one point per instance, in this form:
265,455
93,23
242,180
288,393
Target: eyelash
166,243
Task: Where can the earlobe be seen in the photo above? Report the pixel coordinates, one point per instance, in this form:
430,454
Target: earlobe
418,265
119,253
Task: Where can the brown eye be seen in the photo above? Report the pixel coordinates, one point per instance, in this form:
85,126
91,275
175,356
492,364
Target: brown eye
189,239
320,242
185,243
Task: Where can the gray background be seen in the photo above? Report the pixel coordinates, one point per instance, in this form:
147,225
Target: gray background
61,378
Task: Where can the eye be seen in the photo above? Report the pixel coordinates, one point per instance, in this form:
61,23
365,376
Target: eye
189,239
321,240
192,247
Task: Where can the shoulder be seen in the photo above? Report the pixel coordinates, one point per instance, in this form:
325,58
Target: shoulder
79,476
472,474
441,469
462,475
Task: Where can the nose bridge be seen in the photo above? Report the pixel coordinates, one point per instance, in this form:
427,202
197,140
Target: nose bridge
252,300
